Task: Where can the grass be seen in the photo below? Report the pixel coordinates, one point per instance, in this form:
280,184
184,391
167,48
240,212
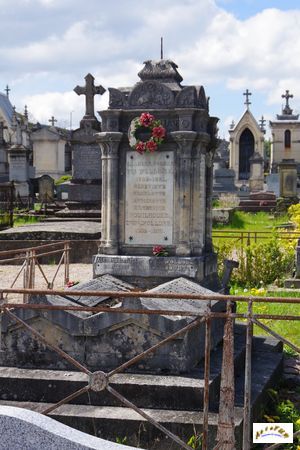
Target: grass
287,329
245,221
25,220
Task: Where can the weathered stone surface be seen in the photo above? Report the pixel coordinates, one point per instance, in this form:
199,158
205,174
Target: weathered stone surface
53,230
22,429
148,266
46,188
288,178
122,335
149,198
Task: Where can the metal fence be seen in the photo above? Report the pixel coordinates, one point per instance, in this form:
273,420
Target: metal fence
29,259
247,237
100,381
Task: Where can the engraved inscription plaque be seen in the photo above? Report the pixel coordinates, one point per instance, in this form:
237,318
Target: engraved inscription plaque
149,198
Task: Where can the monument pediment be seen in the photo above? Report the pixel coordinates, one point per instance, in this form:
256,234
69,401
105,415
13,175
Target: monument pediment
151,95
187,98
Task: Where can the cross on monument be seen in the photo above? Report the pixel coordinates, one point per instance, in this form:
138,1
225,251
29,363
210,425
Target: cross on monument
161,48
7,89
287,95
52,120
89,90
262,123
247,94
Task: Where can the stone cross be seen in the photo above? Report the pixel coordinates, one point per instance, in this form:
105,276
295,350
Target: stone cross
25,112
52,120
262,123
89,90
247,94
287,95
7,91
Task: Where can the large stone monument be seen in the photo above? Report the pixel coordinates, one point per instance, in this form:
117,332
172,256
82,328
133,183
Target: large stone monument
84,191
160,198
20,170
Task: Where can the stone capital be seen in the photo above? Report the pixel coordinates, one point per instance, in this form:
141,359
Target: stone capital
185,141
109,143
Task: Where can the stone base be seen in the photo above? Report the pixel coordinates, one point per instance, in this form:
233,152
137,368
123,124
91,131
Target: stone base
148,271
292,283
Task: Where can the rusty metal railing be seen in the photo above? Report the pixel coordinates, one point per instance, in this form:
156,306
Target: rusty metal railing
29,260
100,381
254,236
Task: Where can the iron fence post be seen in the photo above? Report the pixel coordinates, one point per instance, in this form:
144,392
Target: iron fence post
247,387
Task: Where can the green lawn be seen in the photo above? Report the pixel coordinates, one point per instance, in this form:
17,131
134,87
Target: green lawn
288,329
260,221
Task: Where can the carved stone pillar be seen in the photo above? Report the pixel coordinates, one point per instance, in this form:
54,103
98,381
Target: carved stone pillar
184,140
209,193
109,144
198,202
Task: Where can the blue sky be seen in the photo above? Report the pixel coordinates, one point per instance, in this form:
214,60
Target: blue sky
48,46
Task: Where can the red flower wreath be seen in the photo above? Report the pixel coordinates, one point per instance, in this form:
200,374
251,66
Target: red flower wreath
147,122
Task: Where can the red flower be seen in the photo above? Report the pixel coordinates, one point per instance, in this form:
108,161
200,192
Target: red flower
140,147
151,146
146,119
158,132
157,249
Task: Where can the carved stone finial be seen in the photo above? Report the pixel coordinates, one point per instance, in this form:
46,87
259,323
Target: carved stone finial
163,70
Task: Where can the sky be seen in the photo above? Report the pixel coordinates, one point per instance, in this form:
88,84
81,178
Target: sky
48,46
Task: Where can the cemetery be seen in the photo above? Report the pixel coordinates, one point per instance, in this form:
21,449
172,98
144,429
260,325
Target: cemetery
193,245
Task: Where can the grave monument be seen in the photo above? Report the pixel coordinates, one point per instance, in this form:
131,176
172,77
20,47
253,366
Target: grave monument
161,197
84,191
153,203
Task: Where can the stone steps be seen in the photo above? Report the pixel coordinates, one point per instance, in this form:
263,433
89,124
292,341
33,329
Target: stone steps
150,391
175,401
118,422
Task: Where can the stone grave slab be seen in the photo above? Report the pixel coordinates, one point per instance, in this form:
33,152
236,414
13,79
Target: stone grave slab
22,429
106,340
46,189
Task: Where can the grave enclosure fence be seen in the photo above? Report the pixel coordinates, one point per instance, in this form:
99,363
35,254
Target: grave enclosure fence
99,381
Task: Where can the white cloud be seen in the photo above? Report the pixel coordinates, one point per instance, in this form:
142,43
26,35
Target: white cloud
112,39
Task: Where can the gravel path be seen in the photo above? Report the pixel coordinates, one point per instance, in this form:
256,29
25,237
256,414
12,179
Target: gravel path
78,272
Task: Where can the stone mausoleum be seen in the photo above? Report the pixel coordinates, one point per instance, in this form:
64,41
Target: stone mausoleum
160,198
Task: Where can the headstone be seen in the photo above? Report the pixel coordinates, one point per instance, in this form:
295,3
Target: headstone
18,157
273,183
159,198
22,429
256,181
46,189
288,178
84,191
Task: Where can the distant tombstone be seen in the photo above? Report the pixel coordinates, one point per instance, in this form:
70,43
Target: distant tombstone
273,183
288,178
85,187
46,189
256,181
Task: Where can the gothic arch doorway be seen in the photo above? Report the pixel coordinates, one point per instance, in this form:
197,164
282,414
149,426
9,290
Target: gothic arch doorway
246,150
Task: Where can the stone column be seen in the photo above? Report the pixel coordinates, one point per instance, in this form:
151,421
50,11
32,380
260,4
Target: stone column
184,140
209,193
198,198
109,144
